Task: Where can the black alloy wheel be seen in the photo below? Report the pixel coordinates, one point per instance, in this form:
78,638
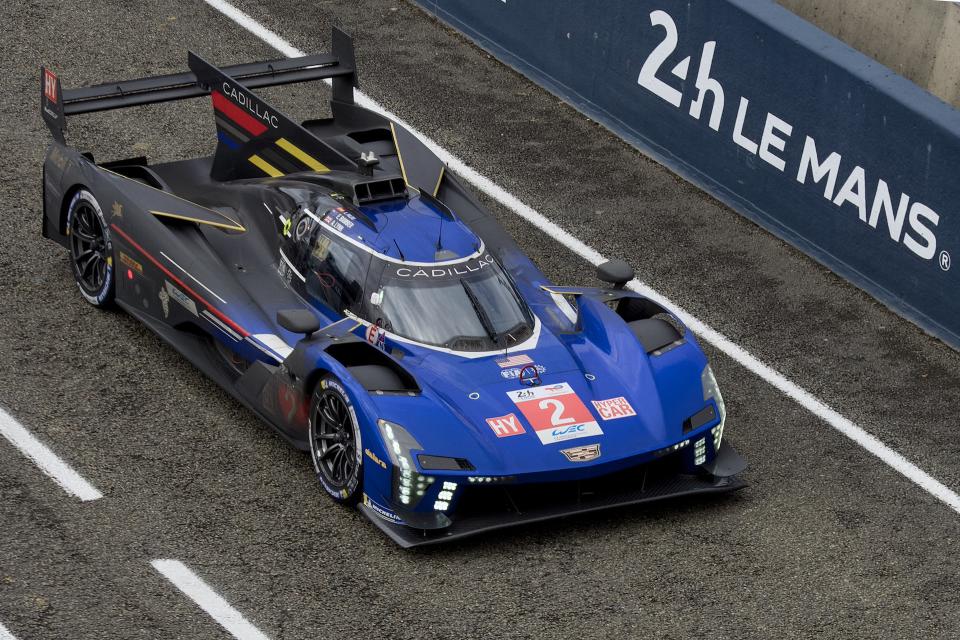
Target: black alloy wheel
335,442
90,249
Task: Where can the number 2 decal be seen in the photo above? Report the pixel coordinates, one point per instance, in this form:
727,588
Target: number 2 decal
555,412
556,418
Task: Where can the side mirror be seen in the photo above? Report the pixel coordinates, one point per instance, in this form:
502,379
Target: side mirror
298,321
616,272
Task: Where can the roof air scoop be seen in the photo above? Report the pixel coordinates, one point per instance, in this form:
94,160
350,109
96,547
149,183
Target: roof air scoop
376,190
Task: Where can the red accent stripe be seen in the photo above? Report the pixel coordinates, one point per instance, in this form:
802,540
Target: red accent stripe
230,109
243,332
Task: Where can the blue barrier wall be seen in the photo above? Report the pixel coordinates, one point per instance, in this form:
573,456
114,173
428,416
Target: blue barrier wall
821,145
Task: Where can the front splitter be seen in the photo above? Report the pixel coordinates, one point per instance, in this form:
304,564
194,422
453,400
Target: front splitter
661,488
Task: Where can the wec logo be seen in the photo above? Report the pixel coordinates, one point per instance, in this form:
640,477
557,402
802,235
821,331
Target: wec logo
568,431
910,224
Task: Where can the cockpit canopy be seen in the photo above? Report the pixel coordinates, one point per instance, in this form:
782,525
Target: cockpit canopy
370,262
470,306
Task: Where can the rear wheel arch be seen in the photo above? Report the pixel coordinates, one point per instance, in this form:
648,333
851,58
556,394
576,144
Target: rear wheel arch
65,204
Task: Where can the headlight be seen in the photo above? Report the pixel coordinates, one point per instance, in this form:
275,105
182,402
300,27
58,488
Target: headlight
408,485
711,390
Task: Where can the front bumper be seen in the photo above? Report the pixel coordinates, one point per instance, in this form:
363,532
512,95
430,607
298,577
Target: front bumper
486,508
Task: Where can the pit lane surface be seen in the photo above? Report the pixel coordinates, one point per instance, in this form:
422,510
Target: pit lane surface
827,540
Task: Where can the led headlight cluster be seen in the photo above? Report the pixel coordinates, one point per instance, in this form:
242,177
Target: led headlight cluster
408,484
442,503
711,390
700,451
489,479
671,448
717,433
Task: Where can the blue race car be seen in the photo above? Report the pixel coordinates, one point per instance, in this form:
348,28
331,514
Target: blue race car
340,283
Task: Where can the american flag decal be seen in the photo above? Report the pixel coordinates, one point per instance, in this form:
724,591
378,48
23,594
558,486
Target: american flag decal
514,361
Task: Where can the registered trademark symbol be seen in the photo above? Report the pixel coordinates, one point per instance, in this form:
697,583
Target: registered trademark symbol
945,261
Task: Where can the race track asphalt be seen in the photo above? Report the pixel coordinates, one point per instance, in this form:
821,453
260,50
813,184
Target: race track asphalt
827,541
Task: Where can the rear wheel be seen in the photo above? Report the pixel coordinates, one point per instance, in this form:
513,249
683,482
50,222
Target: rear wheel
91,252
335,444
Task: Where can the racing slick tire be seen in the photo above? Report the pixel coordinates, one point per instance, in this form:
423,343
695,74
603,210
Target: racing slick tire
91,251
335,445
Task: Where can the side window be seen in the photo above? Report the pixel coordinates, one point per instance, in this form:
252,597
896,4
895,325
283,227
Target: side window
336,273
374,306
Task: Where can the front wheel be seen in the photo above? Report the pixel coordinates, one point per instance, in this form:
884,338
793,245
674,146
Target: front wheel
335,444
91,252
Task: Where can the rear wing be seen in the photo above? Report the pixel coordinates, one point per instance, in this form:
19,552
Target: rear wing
339,65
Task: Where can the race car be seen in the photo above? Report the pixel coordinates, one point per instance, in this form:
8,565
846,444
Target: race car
342,284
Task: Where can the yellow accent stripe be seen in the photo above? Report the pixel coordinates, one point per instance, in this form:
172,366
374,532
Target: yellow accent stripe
265,166
177,216
301,155
399,157
436,189
173,195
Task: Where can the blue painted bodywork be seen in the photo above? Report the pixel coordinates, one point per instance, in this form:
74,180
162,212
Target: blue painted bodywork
412,227
597,355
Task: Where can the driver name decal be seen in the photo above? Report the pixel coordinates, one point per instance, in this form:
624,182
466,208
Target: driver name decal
556,413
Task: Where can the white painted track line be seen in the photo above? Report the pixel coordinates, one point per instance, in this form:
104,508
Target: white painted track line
58,470
207,599
870,443
6,635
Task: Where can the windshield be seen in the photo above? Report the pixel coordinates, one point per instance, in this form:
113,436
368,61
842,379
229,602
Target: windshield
469,307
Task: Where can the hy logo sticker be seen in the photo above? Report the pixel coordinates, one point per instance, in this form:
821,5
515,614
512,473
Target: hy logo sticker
507,425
